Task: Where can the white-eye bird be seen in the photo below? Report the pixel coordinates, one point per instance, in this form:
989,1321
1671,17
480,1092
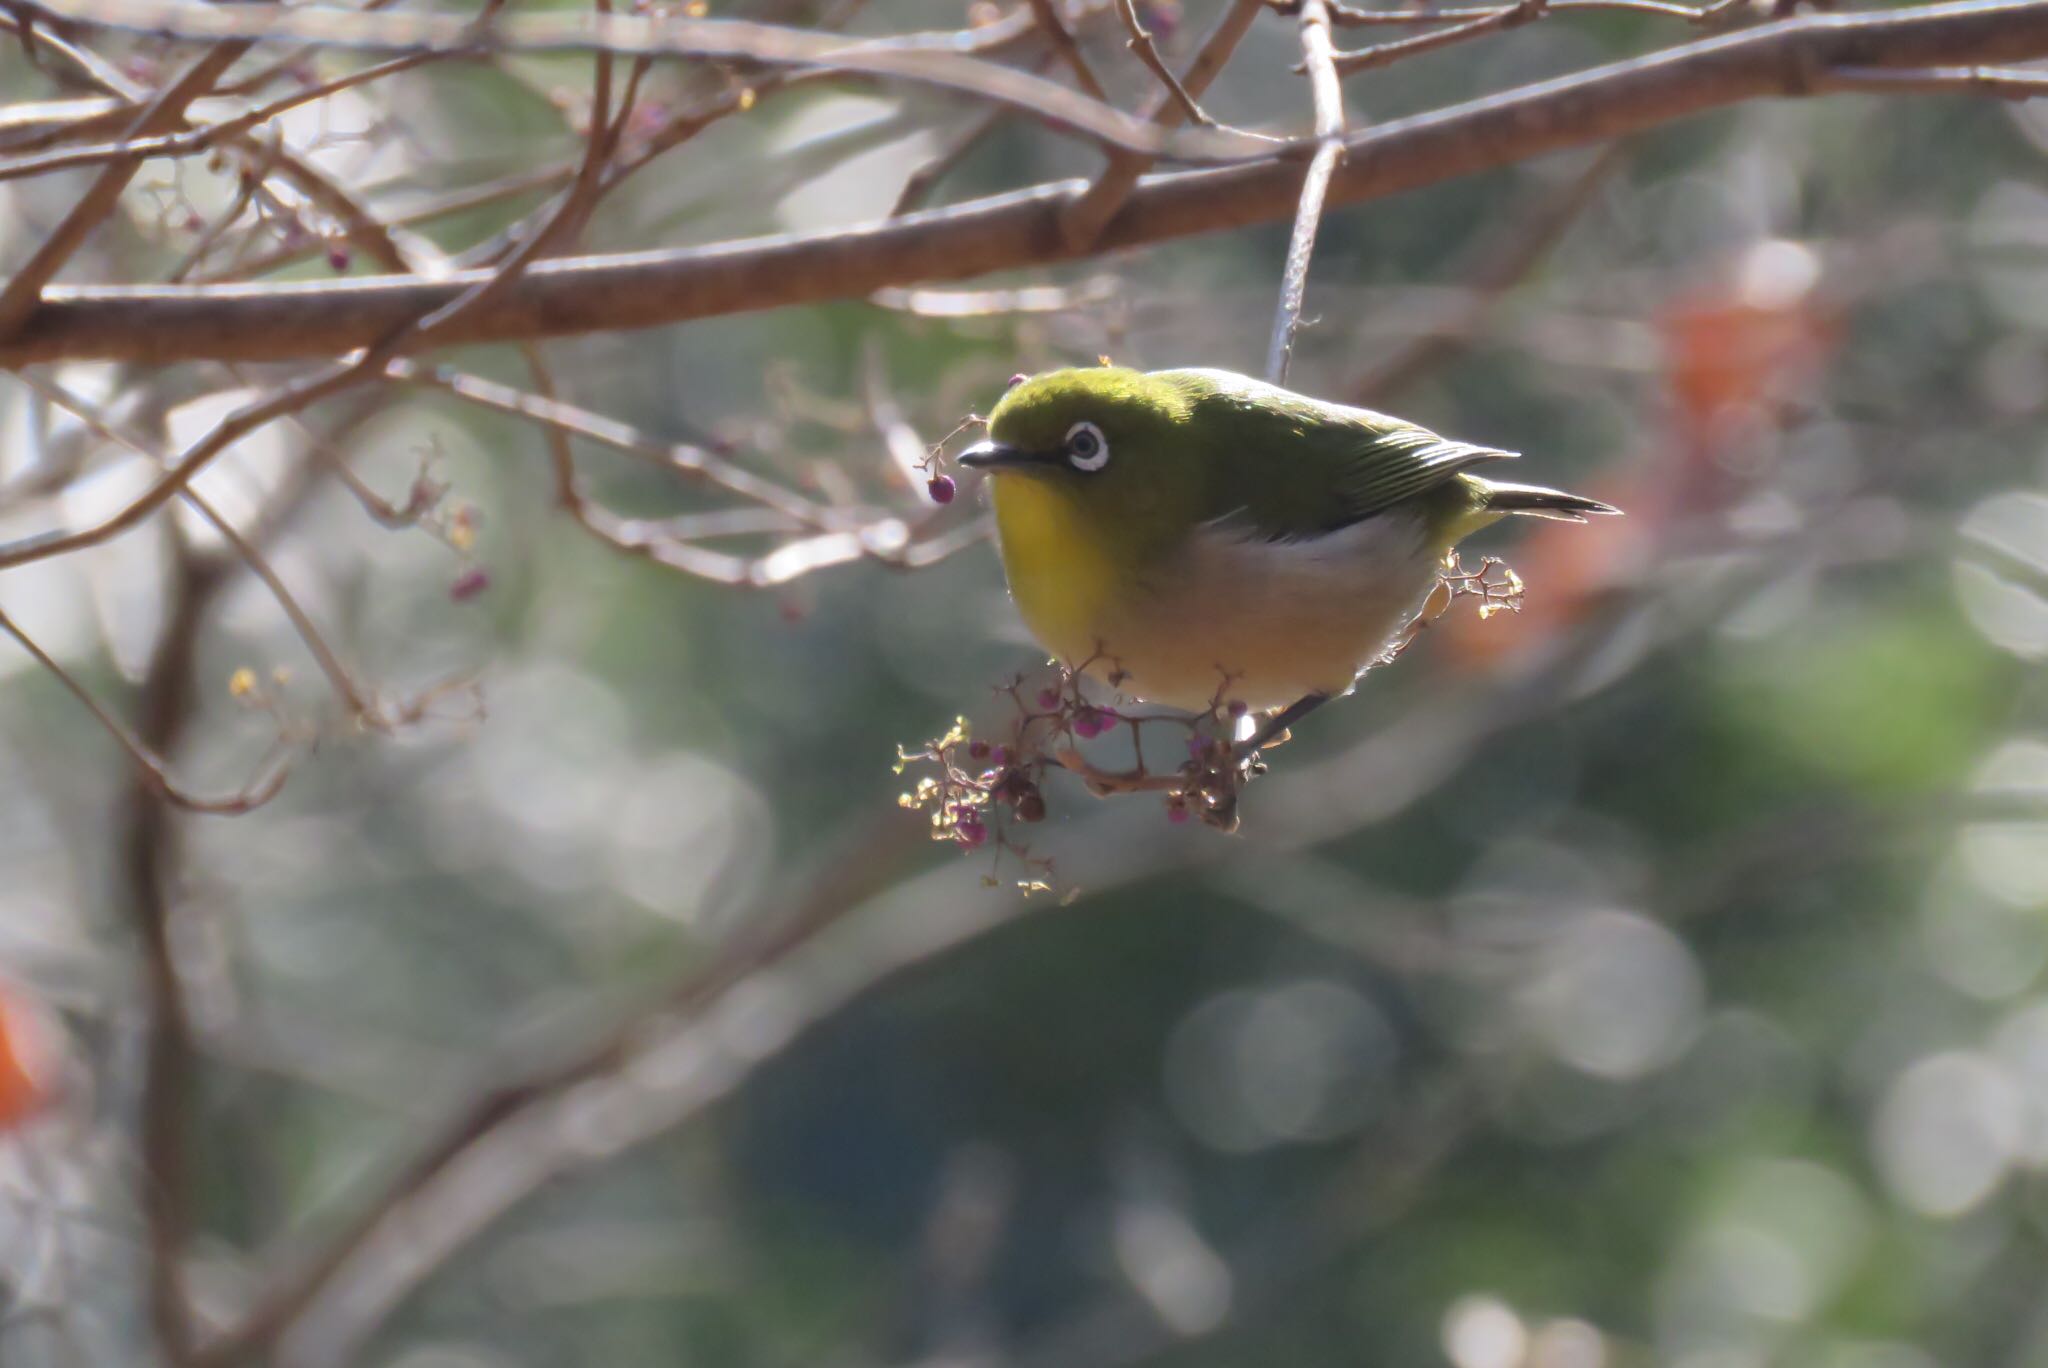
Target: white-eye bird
1196,534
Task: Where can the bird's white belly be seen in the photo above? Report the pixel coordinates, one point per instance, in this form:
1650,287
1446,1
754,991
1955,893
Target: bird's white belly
1233,617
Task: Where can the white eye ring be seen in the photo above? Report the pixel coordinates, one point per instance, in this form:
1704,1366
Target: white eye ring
1087,448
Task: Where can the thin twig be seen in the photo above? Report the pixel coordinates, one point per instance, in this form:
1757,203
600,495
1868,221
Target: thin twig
199,139
1497,21
1048,15
836,536
1141,43
1082,221
1316,53
24,291
269,777
918,188
913,62
1345,16
1022,227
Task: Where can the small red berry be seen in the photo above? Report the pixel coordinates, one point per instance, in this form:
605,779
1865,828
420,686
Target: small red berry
970,832
1092,722
469,584
1177,813
941,488
1031,807
999,755
1048,699
1238,707
978,749
338,257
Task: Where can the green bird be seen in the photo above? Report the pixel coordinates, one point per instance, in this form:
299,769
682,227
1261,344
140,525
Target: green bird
1190,535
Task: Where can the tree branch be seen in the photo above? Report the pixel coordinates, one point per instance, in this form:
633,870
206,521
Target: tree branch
647,289
1317,56
21,294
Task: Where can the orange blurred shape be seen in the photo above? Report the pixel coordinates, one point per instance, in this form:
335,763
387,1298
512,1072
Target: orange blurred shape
1759,338
1565,566
28,1057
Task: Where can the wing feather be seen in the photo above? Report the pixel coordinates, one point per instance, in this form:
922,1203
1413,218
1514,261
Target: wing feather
1343,464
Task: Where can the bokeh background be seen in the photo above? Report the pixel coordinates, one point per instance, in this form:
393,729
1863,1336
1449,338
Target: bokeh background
1652,977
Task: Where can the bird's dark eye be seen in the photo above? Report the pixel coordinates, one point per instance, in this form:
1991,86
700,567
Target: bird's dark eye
1087,448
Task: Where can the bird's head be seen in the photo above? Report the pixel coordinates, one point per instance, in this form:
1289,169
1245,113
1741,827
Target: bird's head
1107,437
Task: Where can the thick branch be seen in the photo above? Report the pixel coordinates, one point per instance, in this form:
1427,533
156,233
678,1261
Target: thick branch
560,298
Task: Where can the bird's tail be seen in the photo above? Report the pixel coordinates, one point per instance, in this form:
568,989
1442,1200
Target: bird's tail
1536,501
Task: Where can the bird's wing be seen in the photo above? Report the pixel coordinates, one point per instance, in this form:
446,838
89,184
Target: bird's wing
1290,467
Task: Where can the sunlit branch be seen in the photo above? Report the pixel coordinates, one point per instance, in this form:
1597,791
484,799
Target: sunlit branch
388,248
664,36
1346,16
206,136
837,535
1308,216
360,703
1030,299
1497,21
2003,83
276,321
24,290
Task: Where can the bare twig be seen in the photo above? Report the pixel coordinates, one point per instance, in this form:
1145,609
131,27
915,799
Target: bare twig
836,535
1055,28
918,188
22,293
1495,21
269,777
1141,43
663,36
1082,221
1021,228
1345,16
199,139
1308,215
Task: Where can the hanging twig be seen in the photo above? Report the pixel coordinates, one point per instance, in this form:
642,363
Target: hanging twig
1316,54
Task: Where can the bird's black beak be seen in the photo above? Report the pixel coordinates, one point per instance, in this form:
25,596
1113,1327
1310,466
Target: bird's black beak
996,456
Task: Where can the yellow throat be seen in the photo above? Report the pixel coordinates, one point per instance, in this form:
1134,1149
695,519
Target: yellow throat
1061,570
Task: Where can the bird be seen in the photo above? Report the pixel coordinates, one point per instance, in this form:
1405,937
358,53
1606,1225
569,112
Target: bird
1197,537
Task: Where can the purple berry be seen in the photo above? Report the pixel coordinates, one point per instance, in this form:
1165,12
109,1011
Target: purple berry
1048,699
999,755
1237,707
1176,813
941,488
970,832
978,749
338,257
469,584
1017,380
1092,722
